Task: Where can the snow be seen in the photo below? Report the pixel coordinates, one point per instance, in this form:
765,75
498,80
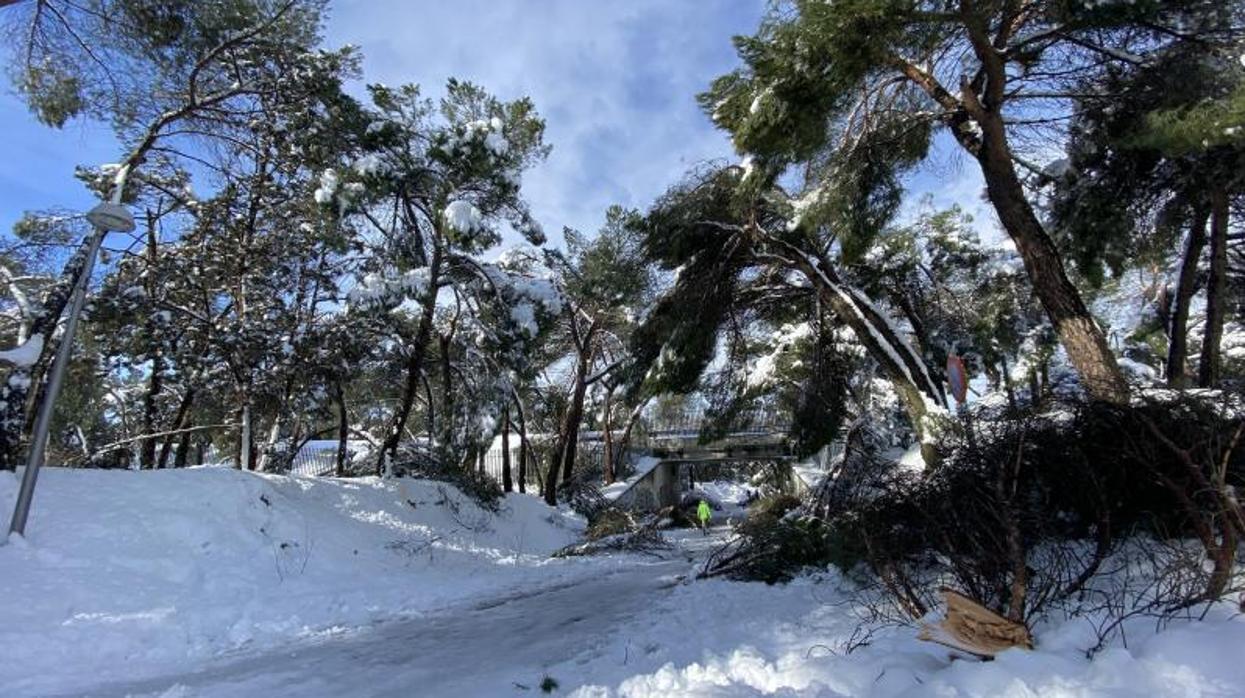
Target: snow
909,458
463,217
496,143
1058,169
374,289
25,354
324,587
328,187
524,315
133,573
1232,344
368,164
721,638
857,301
762,372
643,466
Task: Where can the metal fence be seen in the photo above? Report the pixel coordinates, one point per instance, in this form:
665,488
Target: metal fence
589,457
319,458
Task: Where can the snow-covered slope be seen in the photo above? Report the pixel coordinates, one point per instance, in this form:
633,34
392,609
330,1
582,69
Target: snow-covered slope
135,583
126,573
720,638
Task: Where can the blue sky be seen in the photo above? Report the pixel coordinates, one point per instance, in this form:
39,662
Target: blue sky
615,81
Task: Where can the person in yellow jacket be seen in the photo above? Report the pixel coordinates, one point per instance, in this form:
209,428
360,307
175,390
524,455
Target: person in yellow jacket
703,514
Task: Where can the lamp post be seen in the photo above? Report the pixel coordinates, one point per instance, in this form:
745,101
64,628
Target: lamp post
105,217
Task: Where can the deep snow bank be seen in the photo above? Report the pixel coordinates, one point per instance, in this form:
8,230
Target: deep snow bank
721,638
128,573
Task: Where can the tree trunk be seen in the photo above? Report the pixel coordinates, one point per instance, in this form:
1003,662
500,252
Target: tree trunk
507,485
575,411
270,445
1007,384
244,443
550,485
183,450
1216,290
155,382
632,420
903,366
414,368
447,394
343,429
179,422
1082,339
607,451
1186,286
523,455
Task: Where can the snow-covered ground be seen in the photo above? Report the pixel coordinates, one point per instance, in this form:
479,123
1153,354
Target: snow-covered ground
125,573
721,638
212,582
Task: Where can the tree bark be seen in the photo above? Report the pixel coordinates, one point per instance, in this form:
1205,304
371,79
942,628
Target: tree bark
414,368
245,454
447,396
563,456
507,484
607,451
1216,290
1082,339
343,429
523,455
179,422
155,382
1186,286
550,485
903,366
183,450
575,411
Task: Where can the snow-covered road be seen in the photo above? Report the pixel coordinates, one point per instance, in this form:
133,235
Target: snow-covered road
496,646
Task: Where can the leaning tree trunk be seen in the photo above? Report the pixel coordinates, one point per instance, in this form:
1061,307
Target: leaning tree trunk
414,368
1186,285
1216,290
575,411
904,367
1082,338
179,422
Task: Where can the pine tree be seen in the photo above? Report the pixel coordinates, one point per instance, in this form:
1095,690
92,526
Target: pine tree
856,89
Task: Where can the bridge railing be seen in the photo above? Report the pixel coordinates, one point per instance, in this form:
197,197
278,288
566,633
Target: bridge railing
688,423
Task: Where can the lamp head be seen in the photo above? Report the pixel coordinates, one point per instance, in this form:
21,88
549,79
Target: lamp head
111,217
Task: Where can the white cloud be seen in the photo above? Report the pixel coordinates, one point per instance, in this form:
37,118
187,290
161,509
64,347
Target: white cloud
616,82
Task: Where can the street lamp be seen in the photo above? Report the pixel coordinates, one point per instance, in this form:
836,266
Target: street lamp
105,217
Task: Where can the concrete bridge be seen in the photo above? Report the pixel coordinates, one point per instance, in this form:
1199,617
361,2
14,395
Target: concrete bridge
669,455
